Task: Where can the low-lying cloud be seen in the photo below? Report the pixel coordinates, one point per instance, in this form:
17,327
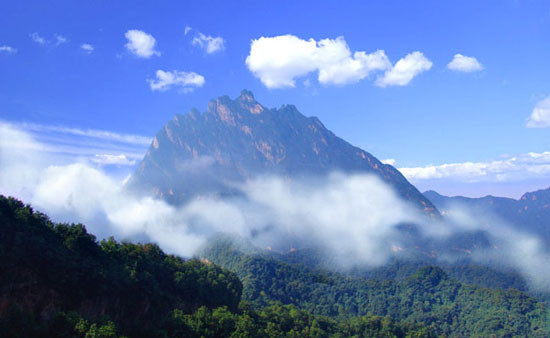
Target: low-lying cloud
357,218
510,247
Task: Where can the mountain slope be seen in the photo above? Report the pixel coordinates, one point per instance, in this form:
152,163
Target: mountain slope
429,296
57,281
531,212
234,140
48,270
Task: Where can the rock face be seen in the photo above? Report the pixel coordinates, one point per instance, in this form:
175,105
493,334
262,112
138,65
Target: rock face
234,140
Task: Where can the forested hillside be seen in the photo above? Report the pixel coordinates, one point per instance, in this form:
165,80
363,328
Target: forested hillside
59,281
429,296
529,213
56,280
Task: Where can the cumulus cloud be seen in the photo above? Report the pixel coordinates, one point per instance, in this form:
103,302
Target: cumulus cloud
278,61
38,39
87,48
187,30
210,44
355,217
389,161
540,117
7,49
462,63
187,81
524,166
405,70
140,43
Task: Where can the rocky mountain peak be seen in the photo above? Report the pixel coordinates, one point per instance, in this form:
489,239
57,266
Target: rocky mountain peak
246,96
239,139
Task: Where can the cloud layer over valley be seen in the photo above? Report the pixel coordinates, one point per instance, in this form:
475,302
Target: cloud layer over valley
357,218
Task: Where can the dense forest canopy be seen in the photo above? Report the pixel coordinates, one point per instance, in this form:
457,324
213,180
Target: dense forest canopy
429,295
58,280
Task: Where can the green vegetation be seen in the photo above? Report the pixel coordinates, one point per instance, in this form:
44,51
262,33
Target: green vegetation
464,270
428,296
48,270
58,281
288,321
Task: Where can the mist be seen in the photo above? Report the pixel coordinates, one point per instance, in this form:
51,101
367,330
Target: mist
356,218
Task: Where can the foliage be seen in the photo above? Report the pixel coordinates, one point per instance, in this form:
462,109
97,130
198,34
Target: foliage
277,320
58,280
47,269
428,296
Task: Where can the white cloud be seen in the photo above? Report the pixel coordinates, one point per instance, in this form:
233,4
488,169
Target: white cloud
540,117
187,30
92,133
389,161
86,47
405,70
20,160
461,63
279,60
141,43
68,145
38,39
210,44
521,167
60,39
108,159
268,209
188,81
512,247
7,49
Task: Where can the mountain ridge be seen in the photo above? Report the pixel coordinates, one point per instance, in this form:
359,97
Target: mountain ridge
234,140
530,212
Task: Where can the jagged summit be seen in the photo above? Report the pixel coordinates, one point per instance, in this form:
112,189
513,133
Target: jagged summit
245,93
238,139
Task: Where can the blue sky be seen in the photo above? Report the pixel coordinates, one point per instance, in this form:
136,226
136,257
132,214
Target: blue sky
75,76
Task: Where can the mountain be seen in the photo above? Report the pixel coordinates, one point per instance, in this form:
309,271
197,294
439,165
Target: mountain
531,212
235,140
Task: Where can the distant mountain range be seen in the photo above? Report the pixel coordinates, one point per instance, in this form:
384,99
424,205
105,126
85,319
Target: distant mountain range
531,212
205,153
